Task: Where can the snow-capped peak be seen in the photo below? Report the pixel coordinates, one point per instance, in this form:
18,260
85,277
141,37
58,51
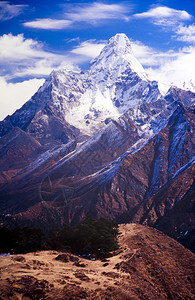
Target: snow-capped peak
118,55
115,83
119,45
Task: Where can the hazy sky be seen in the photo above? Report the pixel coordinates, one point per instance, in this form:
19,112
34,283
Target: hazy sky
38,36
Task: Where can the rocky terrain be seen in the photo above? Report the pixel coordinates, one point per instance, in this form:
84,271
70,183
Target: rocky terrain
148,265
145,185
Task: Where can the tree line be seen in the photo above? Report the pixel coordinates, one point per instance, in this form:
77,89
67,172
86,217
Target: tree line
90,237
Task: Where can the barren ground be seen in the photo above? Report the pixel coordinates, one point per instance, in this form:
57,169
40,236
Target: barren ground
149,265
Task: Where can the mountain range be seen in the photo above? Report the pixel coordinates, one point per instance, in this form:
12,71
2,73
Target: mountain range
105,143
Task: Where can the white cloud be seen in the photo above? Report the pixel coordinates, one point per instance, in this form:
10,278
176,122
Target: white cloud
169,67
150,57
77,39
172,20
178,69
91,13
9,11
86,13
50,24
186,33
27,57
89,49
18,48
165,16
13,96
143,53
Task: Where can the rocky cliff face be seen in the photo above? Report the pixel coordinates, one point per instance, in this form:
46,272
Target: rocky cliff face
102,142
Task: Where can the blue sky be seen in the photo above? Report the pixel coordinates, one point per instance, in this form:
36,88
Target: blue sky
39,36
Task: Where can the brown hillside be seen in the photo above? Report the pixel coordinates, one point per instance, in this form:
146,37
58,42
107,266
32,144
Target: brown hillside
150,265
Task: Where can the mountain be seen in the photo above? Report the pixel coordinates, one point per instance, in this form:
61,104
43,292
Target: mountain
149,265
146,184
99,156
188,85
102,142
79,103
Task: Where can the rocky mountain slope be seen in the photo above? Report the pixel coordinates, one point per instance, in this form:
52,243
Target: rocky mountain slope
143,184
149,265
102,142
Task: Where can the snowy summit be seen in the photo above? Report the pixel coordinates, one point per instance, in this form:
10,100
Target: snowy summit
117,55
115,82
